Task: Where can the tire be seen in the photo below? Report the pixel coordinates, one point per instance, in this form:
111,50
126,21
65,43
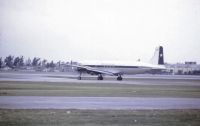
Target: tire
119,78
100,77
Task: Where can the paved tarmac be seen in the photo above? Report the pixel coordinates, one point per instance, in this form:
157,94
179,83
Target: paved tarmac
114,103
142,79
37,102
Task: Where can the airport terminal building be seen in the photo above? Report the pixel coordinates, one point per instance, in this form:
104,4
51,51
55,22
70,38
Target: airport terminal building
187,68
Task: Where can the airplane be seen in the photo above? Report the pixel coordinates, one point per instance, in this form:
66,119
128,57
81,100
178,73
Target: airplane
118,68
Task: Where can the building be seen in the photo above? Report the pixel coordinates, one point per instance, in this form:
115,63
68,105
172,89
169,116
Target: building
187,68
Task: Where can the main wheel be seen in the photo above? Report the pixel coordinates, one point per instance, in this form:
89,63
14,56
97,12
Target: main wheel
100,77
119,78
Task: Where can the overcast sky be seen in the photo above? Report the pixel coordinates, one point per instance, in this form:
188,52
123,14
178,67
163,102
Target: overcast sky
100,29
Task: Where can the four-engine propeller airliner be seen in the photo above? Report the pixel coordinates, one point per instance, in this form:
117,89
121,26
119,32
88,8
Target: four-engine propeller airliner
119,68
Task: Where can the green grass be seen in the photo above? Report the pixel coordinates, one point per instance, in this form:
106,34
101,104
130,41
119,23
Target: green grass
12,88
99,117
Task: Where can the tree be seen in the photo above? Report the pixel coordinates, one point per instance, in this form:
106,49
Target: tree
40,63
58,63
52,65
9,61
16,62
47,65
21,61
28,62
44,62
35,61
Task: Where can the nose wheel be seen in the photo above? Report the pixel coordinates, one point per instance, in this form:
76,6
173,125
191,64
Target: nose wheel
79,77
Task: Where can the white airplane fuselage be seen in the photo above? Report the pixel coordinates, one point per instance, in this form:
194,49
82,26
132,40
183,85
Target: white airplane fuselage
123,67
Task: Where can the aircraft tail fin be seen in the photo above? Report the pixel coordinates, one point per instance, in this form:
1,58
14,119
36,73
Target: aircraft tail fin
158,57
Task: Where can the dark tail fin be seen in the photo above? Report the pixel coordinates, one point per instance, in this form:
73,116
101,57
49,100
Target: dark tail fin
161,56
158,57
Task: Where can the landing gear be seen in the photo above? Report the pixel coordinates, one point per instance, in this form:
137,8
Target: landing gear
100,77
79,77
119,78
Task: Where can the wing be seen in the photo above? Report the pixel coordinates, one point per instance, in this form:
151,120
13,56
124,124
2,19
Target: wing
93,70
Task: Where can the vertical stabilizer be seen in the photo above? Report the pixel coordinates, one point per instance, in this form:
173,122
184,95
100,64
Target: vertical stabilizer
158,57
161,56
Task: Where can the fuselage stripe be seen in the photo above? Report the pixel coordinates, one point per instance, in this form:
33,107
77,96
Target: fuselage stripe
112,66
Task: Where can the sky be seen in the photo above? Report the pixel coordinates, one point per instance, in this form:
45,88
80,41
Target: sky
100,29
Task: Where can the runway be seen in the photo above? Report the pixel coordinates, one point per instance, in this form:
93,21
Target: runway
92,103
143,79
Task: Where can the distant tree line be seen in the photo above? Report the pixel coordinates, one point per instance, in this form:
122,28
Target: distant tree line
19,62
